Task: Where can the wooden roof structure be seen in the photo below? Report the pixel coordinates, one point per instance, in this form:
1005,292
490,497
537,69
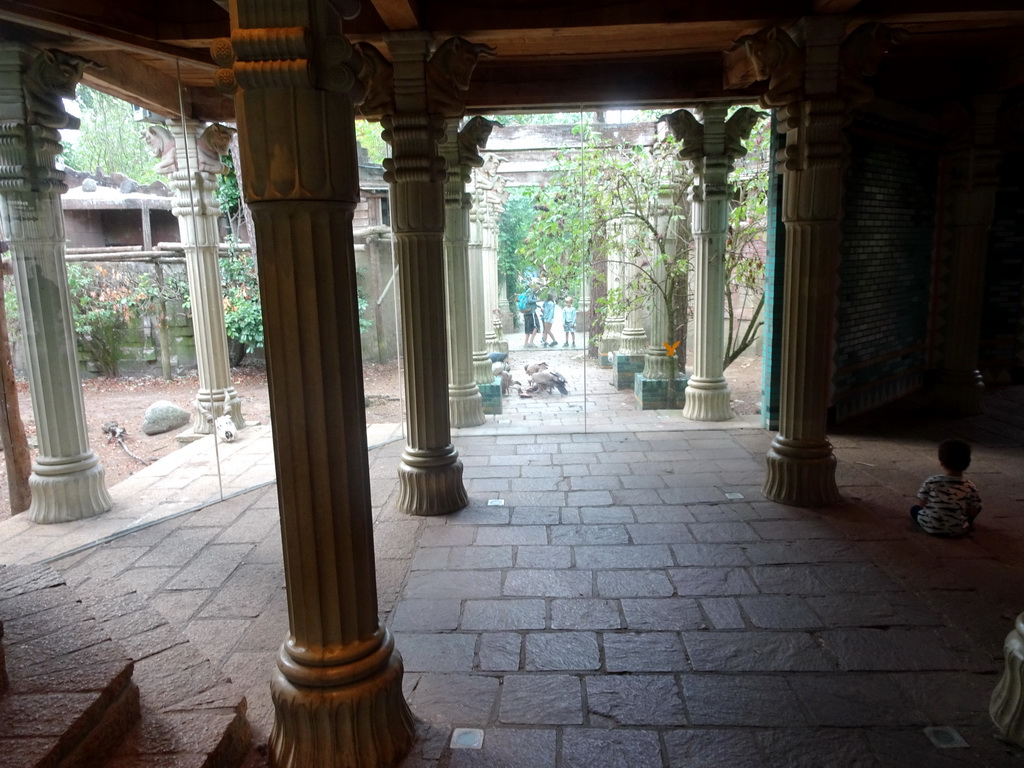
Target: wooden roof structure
551,54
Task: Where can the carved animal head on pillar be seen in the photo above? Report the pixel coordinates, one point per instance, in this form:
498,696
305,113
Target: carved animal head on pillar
51,77
860,55
377,76
738,128
780,61
162,146
213,142
688,130
472,138
449,71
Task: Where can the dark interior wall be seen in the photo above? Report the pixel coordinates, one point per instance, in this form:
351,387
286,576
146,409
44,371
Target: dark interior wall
885,270
164,227
1001,351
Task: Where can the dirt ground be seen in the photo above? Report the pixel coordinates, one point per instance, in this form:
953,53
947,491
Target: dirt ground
124,400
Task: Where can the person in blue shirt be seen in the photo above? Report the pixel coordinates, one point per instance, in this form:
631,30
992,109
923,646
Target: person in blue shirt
548,317
528,306
569,321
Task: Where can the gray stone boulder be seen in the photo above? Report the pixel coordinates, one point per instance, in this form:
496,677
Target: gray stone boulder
163,416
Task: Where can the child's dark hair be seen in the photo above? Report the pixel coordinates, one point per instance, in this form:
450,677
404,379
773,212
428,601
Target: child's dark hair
955,455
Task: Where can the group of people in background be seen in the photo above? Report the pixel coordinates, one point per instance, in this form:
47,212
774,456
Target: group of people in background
530,305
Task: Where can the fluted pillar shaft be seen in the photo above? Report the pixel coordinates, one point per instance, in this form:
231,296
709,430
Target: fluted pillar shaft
67,480
196,210
465,405
1007,703
801,466
337,689
496,198
419,92
658,362
972,180
633,339
707,393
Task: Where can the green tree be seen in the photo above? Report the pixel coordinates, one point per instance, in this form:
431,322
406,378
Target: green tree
614,203
110,139
745,247
515,224
369,137
106,303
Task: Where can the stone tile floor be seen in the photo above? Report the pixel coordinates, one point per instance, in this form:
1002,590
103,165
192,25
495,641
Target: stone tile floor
629,599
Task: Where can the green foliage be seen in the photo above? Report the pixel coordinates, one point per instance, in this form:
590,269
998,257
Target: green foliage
229,197
243,312
105,303
609,203
369,136
109,139
744,257
515,224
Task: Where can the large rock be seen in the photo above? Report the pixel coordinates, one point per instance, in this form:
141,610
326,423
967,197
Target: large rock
163,416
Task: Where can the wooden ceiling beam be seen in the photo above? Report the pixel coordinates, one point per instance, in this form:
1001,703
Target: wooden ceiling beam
398,14
52,21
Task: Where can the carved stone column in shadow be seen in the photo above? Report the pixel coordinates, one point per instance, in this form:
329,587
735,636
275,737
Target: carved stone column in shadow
971,181
337,689
813,86
1007,704
67,480
194,181
412,97
465,407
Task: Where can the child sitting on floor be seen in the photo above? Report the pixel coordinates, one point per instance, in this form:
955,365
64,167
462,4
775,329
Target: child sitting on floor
948,502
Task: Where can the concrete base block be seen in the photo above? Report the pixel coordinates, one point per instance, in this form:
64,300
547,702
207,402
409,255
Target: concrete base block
625,368
491,394
659,394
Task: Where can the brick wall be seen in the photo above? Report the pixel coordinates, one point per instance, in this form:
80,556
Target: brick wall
1001,351
884,273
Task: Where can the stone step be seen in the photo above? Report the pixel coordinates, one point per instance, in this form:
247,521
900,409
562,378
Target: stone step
71,698
192,716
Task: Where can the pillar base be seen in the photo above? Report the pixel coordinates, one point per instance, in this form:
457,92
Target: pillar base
430,482
360,721
217,402
498,345
708,400
659,394
465,407
63,492
801,473
490,395
625,368
960,393
1007,704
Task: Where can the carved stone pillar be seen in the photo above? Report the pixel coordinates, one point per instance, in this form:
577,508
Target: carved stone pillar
660,384
496,198
412,97
67,478
972,180
193,178
465,407
711,146
611,336
337,689
630,355
477,291
812,87
1007,704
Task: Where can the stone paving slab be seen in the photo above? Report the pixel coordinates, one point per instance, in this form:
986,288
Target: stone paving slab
644,629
